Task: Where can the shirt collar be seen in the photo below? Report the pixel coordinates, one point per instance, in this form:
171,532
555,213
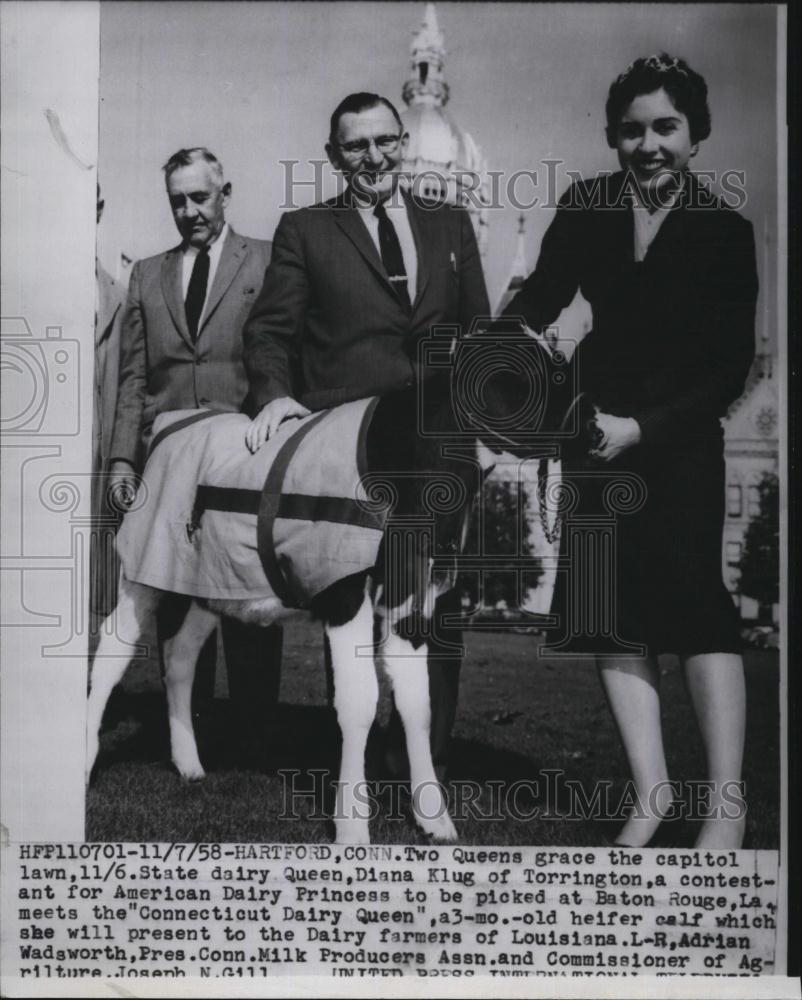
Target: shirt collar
214,247
393,201
665,204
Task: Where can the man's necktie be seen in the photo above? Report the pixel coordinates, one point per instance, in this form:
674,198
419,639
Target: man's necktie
392,258
196,293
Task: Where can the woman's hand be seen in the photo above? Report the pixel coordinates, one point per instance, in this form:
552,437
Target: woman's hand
618,434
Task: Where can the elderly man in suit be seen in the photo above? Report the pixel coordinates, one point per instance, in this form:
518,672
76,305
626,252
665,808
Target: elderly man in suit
182,349
352,286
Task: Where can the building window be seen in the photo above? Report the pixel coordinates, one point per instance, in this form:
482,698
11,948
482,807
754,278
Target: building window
734,500
753,501
734,553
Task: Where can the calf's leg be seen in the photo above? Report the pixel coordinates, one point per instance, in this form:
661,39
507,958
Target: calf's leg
180,656
114,652
406,667
356,694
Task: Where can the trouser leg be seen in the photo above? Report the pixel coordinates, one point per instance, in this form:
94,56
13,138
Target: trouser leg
445,660
104,568
253,661
327,666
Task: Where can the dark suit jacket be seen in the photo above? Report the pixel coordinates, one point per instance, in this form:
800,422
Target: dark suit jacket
673,336
327,326
104,569
161,369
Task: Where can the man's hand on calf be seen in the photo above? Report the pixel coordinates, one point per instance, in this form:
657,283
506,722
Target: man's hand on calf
269,418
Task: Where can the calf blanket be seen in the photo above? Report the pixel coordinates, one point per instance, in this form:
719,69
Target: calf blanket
213,520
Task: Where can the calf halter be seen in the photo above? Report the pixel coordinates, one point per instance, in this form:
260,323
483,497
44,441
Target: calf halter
550,533
594,436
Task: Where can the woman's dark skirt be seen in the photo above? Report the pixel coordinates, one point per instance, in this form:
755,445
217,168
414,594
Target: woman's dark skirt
640,556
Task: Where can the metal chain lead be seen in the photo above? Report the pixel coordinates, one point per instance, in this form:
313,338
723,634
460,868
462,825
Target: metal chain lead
551,534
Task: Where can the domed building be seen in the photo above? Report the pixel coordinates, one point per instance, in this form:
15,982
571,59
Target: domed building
445,162
751,451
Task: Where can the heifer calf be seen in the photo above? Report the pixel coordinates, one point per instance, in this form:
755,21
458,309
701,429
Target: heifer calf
396,597
426,480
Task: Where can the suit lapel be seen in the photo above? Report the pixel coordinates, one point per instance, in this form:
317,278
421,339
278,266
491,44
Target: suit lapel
171,290
417,222
348,220
622,221
673,230
107,305
618,220
354,228
233,254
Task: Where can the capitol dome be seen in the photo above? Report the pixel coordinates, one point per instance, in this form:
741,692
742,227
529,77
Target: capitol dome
433,137
444,162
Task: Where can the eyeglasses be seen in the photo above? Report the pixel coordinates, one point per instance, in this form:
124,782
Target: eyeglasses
360,147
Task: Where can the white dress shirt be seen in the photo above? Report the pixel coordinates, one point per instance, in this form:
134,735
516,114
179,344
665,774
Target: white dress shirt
647,224
190,253
397,214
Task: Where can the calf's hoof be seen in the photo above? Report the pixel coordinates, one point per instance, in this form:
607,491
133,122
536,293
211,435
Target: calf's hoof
191,771
351,831
430,809
439,828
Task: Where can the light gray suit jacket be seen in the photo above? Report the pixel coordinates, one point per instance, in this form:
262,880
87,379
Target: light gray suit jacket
161,368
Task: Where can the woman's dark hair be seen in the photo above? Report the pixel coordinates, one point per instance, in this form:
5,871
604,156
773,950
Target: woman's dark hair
687,90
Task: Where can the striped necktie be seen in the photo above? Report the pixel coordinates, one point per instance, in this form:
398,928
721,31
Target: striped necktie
391,255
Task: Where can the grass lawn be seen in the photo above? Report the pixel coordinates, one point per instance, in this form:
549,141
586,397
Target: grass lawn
519,716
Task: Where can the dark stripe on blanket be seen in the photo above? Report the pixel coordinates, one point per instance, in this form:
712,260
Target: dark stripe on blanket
340,510
268,511
293,506
227,498
179,425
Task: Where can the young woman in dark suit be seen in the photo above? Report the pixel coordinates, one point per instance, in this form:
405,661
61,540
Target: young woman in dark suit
669,272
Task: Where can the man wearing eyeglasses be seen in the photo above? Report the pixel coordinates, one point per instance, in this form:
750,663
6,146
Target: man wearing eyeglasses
354,282
352,286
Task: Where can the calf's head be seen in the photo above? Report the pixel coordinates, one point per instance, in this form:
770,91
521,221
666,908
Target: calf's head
507,389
